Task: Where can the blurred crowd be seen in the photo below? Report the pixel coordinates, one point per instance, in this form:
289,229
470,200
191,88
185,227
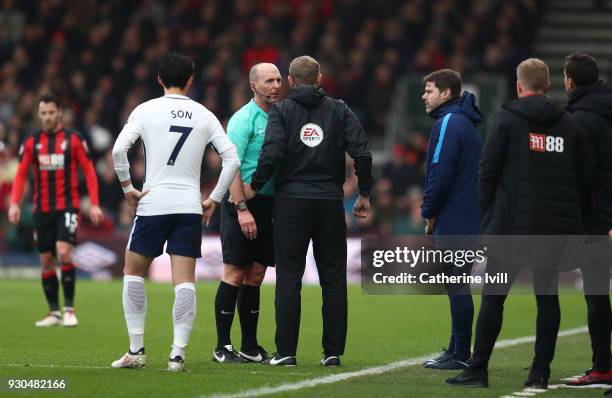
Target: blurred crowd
99,57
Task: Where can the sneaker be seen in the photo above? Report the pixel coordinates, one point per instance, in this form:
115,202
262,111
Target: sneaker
278,360
131,360
608,393
176,364
69,319
257,355
470,378
443,356
537,379
592,377
451,362
226,354
51,319
330,361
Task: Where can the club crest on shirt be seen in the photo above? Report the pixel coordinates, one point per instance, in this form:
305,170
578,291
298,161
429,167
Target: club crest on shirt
311,134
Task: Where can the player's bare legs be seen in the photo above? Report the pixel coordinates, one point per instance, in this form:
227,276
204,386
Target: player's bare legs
50,286
64,252
184,309
134,308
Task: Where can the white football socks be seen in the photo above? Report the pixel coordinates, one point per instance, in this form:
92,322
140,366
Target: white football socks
135,309
183,315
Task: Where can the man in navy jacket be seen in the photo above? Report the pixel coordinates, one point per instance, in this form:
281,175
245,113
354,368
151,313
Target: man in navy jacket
450,202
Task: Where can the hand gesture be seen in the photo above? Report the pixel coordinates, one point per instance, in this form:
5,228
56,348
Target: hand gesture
208,208
430,226
247,224
134,196
14,214
362,207
96,215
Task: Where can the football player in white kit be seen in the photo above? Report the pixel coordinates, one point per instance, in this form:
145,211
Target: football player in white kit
175,131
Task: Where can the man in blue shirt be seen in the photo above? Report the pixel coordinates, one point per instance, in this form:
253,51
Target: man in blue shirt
450,201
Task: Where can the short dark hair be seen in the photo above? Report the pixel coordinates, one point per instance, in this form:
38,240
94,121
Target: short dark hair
445,79
175,69
48,97
582,69
304,70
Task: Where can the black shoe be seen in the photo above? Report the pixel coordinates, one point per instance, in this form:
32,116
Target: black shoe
451,362
608,393
470,378
139,352
330,361
257,355
278,360
537,380
443,356
226,354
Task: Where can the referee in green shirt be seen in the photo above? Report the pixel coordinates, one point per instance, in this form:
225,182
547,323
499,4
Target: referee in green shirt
246,225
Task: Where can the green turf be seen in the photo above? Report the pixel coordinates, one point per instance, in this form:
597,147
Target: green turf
381,329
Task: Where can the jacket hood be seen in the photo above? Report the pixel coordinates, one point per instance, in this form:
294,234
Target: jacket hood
538,109
308,96
464,105
596,97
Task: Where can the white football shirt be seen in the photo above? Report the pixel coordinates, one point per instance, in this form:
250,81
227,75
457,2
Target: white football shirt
175,131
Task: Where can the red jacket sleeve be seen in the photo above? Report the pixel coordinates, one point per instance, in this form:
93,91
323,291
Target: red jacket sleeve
26,153
91,180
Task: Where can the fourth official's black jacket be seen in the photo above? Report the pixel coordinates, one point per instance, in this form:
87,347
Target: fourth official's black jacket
307,136
536,162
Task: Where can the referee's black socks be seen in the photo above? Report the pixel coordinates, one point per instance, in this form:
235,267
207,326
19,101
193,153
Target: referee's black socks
248,310
225,305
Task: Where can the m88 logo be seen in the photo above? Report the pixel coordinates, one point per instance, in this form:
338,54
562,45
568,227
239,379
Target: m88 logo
545,143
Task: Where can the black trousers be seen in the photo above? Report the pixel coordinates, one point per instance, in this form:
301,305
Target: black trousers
596,278
296,222
490,316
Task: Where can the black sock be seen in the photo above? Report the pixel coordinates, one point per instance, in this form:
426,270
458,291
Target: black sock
225,305
248,310
51,286
68,283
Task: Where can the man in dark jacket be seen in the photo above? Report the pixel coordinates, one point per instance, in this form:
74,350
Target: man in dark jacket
529,185
306,139
590,100
450,200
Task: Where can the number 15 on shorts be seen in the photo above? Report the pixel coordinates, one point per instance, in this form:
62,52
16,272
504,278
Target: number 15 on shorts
72,220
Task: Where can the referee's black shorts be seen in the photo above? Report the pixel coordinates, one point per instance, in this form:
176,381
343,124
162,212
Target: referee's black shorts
237,249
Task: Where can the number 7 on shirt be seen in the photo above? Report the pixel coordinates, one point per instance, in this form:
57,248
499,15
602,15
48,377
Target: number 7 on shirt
184,134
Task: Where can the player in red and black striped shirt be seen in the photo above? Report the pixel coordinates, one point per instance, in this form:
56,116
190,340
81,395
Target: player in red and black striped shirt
56,154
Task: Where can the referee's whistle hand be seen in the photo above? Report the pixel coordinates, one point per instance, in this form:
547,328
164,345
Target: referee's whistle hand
362,207
247,224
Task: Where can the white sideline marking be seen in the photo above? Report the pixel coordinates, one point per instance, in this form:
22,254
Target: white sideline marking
317,381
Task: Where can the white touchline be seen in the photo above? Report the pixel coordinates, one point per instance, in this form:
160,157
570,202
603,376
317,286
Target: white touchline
317,381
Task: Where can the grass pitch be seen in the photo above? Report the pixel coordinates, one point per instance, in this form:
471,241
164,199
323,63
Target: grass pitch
382,329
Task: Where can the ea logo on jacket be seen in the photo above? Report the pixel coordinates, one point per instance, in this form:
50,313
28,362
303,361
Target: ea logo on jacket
311,134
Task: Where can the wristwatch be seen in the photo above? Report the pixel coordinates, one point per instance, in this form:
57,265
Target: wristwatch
241,206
